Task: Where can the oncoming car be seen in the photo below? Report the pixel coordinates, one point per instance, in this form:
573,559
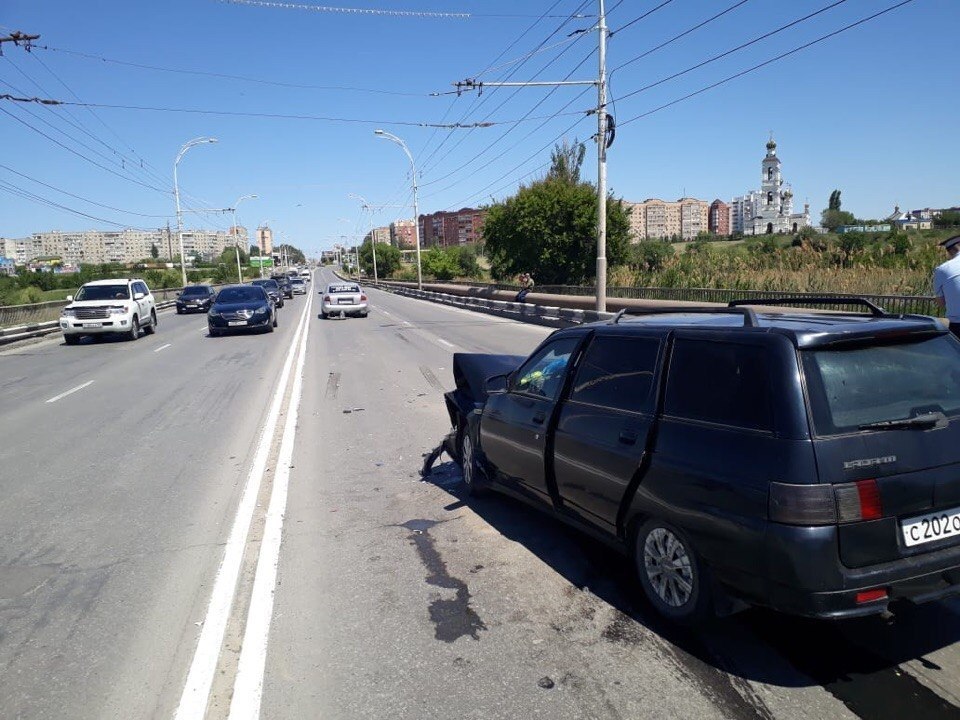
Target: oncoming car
344,298
241,307
195,298
298,286
109,307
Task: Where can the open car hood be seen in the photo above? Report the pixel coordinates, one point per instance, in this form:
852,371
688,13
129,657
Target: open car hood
471,370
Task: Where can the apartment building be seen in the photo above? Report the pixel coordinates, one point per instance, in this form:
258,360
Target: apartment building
402,234
663,220
720,216
448,228
97,247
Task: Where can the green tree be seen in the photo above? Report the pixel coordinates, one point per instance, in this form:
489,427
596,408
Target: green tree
948,219
154,251
566,160
834,203
650,255
832,219
388,259
440,263
549,230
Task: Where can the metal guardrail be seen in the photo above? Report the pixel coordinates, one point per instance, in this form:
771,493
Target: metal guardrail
895,304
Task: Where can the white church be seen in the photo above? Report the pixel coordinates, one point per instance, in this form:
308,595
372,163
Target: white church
769,210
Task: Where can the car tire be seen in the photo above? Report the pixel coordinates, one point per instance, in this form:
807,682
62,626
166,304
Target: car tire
71,339
179,311
152,327
674,579
213,332
134,331
323,316
274,324
469,468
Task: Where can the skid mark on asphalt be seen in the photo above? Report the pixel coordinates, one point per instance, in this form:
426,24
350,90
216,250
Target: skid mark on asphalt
453,618
431,378
333,386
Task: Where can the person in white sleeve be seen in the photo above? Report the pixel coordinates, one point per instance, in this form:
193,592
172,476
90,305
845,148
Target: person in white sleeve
946,283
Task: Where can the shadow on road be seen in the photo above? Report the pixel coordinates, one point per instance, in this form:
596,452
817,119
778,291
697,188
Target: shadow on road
857,660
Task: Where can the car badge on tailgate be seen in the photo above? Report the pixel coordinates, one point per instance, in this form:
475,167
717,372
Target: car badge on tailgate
869,462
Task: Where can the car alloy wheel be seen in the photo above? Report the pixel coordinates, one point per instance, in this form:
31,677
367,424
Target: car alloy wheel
152,327
468,465
668,567
134,329
673,578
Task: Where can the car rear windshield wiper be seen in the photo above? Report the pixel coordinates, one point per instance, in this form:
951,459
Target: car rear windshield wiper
920,422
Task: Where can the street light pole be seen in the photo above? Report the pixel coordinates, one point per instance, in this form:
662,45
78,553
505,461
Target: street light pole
373,245
176,195
236,245
416,206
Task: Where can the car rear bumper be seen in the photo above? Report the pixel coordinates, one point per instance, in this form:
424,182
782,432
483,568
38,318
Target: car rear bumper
221,324
192,308
337,308
807,577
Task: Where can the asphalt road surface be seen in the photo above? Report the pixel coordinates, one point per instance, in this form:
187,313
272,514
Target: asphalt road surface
235,527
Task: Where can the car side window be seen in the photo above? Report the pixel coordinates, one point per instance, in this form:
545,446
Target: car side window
142,287
543,374
723,383
617,372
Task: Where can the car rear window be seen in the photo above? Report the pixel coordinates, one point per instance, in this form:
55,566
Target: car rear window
343,289
862,385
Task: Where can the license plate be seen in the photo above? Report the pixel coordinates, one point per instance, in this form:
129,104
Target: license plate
930,528
92,325
345,301
193,305
234,323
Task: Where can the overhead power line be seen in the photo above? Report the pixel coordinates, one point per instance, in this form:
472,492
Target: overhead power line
649,12
772,60
731,51
40,200
226,76
373,11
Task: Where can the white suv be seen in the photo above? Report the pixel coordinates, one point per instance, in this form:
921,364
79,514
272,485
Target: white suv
109,306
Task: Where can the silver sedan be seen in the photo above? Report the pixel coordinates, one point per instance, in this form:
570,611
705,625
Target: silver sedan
344,298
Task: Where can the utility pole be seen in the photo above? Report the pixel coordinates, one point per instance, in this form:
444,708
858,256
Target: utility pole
602,165
169,243
18,38
605,126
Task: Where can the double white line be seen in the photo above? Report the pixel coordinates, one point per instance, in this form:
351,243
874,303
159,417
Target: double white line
248,686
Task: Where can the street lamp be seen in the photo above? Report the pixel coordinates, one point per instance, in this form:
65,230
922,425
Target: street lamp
176,195
373,244
416,211
236,246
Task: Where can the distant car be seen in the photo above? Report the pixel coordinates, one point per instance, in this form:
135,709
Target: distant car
195,298
299,287
272,288
305,274
104,307
343,299
241,307
284,282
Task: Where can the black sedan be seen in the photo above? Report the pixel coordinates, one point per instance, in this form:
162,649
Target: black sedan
285,287
272,288
241,307
195,298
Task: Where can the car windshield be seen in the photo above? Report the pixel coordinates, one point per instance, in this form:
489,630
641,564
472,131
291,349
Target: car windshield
272,284
860,386
195,290
104,292
343,289
240,295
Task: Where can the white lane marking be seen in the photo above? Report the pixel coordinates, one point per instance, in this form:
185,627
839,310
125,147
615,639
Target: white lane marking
444,342
248,685
196,691
163,347
71,391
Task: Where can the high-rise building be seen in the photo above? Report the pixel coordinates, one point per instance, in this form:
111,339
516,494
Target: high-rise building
264,237
719,222
658,219
402,234
447,228
770,209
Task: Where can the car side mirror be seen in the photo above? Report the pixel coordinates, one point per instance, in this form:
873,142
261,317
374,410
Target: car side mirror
69,298
138,296
496,385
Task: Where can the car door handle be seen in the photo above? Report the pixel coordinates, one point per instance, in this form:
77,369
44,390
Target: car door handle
628,438
539,417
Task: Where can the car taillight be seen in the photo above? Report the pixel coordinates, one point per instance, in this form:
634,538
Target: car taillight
859,501
870,595
802,504
363,298
326,298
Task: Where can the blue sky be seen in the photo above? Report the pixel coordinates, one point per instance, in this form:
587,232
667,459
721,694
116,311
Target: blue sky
871,111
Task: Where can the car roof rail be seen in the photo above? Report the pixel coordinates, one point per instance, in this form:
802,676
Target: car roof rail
874,310
749,316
